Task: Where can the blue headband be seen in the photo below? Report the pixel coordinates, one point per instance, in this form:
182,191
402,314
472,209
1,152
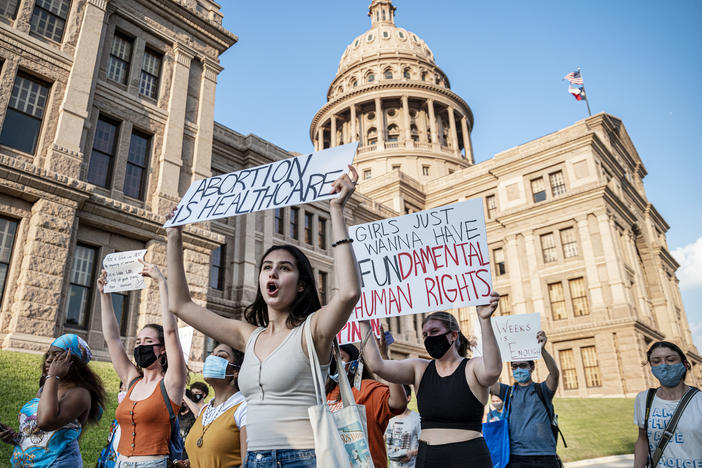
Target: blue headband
76,345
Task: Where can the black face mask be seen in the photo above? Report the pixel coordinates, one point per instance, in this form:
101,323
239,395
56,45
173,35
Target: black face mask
437,345
197,397
144,355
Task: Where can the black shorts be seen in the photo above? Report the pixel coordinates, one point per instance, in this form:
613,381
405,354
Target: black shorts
457,455
534,461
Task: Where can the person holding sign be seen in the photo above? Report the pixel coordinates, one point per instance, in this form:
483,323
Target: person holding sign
531,438
275,376
451,390
160,367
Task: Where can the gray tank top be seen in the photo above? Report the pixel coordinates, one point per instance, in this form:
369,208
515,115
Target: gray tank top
278,391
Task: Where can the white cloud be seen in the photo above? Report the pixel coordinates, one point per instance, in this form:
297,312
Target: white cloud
690,259
696,329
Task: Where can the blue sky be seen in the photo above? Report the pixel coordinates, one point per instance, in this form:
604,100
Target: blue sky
641,61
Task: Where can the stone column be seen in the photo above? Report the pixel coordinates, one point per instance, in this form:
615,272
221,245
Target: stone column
353,123
537,297
614,268
45,265
332,140
170,160
467,146
202,159
65,156
452,126
320,137
406,119
593,280
432,124
379,123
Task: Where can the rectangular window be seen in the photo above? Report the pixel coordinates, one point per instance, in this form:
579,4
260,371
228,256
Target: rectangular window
396,167
49,18
425,170
104,145
280,221
578,297
366,174
120,55
120,303
308,227
491,203
150,73
558,303
217,268
8,8
591,366
499,255
322,233
569,243
505,305
294,215
322,286
570,375
538,190
137,162
25,112
548,247
82,271
558,187
8,229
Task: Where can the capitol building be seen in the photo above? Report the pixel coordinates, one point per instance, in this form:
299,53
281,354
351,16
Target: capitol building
107,117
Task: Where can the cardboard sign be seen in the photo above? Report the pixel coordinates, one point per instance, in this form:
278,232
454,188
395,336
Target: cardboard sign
351,333
123,271
185,334
292,181
516,336
423,262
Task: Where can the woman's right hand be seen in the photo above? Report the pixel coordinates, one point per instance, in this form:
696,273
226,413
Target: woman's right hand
171,229
102,281
345,185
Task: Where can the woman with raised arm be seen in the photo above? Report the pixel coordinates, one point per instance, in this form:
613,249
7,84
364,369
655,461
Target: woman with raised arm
142,415
275,377
451,389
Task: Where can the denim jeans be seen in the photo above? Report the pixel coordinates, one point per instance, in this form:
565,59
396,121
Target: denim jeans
69,458
163,463
288,458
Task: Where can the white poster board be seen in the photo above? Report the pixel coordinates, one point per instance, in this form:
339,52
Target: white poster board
433,260
123,271
351,333
516,336
292,181
185,334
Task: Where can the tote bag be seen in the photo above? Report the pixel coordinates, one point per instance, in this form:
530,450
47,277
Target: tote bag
340,438
496,435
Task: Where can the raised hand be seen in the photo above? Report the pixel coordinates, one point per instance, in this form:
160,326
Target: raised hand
169,216
541,338
486,311
345,185
151,271
102,281
60,365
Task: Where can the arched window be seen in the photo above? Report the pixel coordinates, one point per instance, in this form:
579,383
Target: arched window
406,73
372,136
354,83
424,76
393,133
370,77
340,90
415,132
383,15
387,74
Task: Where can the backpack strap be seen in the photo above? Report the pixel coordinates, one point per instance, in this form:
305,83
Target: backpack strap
134,380
649,401
171,414
506,407
672,424
551,417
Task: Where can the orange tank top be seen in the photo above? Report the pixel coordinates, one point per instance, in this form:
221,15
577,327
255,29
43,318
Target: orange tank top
145,425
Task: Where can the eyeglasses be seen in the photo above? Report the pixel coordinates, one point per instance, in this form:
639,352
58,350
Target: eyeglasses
521,365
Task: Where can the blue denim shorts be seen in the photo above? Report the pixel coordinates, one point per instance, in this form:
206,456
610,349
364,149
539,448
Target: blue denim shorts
287,458
162,463
69,458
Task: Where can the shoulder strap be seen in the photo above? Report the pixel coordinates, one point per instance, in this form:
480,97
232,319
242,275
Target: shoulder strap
672,424
508,399
649,401
551,418
171,414
134,380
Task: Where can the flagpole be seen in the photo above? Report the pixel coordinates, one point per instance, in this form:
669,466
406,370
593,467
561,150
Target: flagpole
587,99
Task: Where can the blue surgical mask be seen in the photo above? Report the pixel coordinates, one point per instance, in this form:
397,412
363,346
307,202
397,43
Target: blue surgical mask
215,367
335,377
669,375
521,375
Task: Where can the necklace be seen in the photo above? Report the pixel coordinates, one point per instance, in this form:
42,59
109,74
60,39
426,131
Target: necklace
199,441
212,412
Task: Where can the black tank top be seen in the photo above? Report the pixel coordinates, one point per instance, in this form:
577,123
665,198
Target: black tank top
448,402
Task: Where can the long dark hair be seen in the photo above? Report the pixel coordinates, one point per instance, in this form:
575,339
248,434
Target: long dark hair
163,358
672,347
304,304
81,375
451,324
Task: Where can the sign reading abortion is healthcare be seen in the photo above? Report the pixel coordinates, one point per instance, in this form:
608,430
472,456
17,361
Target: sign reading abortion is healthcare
423,262
292,181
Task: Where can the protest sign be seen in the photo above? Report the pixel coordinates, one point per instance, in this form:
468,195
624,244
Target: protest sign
423,262
351,333
123,271
292,181
516,336
185,334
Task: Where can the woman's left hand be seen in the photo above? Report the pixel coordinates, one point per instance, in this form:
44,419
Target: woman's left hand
345,185
486,311
151,271
60,365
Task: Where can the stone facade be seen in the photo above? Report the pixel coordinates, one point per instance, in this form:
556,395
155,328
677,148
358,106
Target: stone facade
106,117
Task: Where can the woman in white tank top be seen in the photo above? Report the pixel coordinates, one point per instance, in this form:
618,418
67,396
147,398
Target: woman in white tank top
275,376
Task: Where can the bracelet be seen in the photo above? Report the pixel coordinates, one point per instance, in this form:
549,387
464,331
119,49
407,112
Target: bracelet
49,375
342,241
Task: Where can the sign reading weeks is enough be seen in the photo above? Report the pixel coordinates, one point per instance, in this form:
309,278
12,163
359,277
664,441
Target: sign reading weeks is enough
124,271
292,181
423,262
516,336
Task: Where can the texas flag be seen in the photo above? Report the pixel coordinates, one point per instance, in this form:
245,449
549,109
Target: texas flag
578,93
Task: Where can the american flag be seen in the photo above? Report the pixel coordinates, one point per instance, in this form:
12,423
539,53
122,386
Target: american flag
574,78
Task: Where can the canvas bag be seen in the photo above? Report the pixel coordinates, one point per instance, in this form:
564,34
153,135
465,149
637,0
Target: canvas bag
496,435
340,438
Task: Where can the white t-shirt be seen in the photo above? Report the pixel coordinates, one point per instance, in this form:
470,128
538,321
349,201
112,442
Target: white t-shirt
685,447
402,435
